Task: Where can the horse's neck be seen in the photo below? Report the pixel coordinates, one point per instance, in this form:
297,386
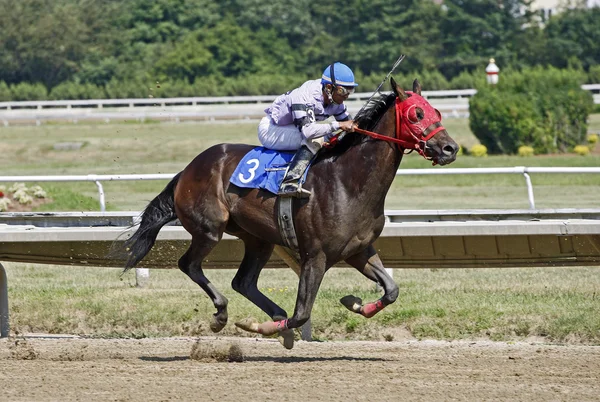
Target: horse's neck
374,164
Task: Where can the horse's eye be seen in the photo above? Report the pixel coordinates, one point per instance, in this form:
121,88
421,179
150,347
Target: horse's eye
415,114
420,114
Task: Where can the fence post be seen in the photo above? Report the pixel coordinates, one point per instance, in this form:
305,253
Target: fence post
142,276
101,196
529,190
4,322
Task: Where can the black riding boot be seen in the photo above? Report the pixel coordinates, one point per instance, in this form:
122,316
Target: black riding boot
290,186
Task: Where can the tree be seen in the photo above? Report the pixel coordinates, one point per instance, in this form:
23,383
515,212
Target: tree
47,40
575,33
475,30
187,60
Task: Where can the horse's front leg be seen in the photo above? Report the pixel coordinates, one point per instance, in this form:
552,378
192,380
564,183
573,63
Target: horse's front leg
369,264
311,275
245,282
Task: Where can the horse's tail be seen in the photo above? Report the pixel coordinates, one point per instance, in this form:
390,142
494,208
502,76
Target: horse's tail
159,212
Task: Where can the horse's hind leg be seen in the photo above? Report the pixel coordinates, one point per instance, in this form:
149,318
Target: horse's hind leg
369,264
191,264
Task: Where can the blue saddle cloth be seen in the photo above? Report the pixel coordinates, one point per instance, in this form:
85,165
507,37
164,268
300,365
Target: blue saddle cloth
261,168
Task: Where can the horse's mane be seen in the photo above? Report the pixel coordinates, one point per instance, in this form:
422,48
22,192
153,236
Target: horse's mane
366,119
374,109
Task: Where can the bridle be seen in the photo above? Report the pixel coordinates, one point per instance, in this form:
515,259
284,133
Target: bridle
411,133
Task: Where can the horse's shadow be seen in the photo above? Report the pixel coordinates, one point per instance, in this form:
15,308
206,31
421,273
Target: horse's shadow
309,359
274,359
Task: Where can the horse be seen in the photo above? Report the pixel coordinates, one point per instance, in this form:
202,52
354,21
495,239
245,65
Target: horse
339,222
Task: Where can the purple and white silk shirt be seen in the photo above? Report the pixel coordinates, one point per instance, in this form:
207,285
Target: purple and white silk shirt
304,107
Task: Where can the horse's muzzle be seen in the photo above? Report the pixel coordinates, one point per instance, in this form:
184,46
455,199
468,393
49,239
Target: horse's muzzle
443,155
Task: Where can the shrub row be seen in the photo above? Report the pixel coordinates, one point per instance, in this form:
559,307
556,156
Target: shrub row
243,85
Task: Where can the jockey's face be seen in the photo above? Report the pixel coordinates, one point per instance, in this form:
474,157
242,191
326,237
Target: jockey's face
344,91
338,93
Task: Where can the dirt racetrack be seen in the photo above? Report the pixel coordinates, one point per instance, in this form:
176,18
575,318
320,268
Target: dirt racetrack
73,369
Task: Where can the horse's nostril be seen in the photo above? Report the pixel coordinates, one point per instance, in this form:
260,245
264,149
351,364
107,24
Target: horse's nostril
450,149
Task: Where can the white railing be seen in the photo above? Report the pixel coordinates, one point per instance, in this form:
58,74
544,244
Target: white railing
591,87
194,101
522,170
222,100
452,103
90,177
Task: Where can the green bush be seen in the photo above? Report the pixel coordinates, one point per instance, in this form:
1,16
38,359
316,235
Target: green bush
542,108
5,94
466,80
431,80
171,89
207,86
73,90
25,91
594,75
129,89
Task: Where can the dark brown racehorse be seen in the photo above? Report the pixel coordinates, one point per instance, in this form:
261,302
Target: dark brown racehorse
339,222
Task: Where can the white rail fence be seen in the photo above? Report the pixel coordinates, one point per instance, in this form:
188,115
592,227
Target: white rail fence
194,101
225,100
521,170
452,103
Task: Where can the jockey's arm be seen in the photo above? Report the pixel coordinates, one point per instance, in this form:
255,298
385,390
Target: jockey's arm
317,130
305,119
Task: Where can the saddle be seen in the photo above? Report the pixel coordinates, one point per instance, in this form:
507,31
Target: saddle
262,168
265,169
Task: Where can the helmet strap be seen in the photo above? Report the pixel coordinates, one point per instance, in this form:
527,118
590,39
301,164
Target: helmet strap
329,96
333,84
332,73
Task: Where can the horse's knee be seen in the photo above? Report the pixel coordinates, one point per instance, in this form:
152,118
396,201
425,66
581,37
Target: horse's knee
391,295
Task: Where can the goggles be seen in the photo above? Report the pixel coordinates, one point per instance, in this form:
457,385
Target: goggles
344,91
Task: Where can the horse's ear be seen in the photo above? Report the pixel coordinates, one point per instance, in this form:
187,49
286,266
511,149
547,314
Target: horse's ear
416,87
398,90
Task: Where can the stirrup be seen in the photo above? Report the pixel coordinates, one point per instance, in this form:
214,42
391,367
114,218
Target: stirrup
293,190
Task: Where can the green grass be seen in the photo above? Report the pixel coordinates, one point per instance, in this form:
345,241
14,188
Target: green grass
559,305
168,148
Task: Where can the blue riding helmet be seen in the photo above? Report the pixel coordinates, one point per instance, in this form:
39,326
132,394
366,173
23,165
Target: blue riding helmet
342,74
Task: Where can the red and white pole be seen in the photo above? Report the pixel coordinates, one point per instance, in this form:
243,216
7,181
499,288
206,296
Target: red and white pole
492,71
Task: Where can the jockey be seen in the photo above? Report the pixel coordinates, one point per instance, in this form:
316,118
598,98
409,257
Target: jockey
291,121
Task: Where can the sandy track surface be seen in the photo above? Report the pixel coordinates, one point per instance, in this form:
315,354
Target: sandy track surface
71,369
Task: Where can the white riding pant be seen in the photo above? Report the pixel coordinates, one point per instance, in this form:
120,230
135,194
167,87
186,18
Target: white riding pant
285,138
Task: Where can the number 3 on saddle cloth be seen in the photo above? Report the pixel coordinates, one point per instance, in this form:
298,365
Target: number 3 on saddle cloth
263,168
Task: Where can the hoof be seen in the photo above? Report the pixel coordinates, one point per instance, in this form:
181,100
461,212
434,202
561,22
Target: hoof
248,324
216,325
352,303
286,338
